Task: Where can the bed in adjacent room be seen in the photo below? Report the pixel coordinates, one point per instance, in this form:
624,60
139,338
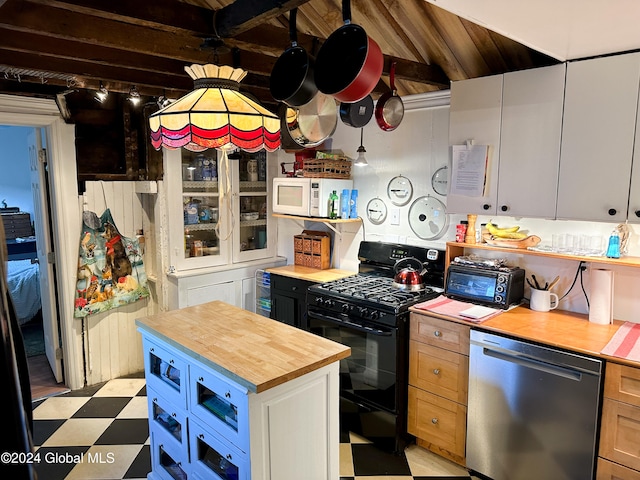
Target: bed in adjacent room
23,278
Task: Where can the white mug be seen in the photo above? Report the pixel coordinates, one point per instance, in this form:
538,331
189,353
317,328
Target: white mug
543,300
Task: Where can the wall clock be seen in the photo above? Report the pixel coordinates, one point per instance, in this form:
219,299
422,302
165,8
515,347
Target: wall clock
400,190
376,211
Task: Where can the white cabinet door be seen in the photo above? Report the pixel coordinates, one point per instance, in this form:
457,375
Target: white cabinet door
225,292
185,230
634,192
601,99
475,114
532,102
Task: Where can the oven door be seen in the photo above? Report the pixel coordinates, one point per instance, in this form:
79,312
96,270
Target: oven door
369,375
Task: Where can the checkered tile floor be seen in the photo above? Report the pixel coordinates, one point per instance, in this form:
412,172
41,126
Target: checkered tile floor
101,432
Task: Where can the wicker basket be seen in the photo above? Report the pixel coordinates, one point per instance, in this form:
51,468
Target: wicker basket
327,168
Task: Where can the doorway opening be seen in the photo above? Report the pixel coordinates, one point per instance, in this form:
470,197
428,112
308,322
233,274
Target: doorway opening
31,278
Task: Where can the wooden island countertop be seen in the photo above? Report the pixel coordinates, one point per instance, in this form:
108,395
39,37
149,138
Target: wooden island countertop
255,351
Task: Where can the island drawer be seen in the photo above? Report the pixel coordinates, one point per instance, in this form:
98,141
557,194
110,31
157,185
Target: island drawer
168,461
221,405
440,333
168,419
212,458
165,371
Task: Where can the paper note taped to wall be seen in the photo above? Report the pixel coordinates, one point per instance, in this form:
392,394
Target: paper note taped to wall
469,167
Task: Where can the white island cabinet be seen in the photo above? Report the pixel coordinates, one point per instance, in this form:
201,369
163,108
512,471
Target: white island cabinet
236,396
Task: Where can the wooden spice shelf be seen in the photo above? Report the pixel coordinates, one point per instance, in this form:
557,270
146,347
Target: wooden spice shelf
455,249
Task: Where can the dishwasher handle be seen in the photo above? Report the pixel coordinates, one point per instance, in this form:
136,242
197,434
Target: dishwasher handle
529,362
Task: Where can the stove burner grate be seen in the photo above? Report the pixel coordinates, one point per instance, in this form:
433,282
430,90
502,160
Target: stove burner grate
373,288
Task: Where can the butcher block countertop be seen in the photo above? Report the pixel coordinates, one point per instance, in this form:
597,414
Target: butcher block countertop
254,351
556,328
310,274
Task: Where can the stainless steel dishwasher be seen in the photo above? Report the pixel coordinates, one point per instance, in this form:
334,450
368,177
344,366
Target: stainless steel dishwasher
532,411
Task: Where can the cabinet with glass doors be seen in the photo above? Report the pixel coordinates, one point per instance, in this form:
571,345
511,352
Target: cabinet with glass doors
218,208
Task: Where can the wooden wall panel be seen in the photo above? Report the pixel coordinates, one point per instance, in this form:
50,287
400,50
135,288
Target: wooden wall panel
112,345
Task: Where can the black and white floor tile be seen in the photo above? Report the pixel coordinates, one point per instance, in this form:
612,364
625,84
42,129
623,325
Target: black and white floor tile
101,432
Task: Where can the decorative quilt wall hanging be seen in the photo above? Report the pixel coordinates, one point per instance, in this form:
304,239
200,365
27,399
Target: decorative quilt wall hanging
110,268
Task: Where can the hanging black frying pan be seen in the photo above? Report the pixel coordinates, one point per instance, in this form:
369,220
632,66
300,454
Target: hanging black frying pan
292,76
390,109
357,114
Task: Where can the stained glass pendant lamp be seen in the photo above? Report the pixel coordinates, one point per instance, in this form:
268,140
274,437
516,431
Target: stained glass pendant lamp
215,115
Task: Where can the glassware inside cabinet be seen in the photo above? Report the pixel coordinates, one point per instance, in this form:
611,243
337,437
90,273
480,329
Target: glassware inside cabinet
253,201
201,203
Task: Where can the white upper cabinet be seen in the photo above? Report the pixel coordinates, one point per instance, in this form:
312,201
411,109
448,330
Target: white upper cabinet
634,191
599,125
519,115
218,217
475,115
532,103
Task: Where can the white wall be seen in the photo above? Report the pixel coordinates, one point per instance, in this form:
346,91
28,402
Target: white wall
416,149
15,181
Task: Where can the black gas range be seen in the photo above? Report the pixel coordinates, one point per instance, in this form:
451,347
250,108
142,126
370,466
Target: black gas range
371,294
367,312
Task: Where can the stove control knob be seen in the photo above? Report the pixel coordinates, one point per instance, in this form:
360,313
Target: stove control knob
375,315
319,300
345,307
364,312
329,303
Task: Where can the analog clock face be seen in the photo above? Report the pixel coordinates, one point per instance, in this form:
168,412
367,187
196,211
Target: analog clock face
376,211
400,190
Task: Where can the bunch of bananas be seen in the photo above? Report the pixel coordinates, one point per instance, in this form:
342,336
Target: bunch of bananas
511,232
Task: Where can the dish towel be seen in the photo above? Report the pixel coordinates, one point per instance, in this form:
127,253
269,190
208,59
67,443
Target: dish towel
625,343
457,309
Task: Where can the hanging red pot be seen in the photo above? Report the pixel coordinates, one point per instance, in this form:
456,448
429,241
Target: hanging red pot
349,62
390,108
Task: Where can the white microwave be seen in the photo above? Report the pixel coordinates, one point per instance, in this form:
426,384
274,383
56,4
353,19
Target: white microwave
306,197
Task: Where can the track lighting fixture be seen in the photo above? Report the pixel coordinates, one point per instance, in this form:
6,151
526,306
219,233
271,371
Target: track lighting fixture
134,95
163,101
102,93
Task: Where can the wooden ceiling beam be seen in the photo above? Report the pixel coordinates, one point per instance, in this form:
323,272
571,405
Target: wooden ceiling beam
47,28
167,15
243,15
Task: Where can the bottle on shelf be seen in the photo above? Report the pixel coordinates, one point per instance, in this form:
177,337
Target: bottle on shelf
461,231
333,205
344,204
353,204
613,250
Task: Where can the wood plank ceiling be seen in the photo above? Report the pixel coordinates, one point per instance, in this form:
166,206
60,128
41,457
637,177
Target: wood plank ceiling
49,46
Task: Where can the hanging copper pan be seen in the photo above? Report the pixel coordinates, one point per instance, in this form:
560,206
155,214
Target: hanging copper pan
390,108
